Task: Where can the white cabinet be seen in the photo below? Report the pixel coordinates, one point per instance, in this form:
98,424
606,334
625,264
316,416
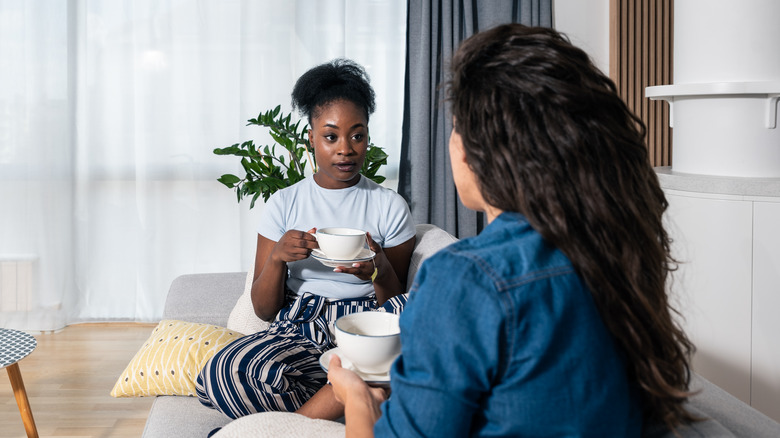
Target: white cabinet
728,288
765,382
713,242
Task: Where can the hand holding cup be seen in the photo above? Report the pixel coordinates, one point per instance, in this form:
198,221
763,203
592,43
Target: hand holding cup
370,340
295,245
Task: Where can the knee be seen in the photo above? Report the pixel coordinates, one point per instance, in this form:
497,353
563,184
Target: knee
207,383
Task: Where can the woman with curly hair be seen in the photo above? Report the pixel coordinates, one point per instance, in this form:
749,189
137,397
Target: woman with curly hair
278,369
555,319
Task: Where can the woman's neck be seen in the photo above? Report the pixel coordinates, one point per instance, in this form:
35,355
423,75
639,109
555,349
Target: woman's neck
492,212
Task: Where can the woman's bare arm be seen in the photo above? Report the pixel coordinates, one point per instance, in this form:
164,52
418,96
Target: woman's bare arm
392,269
271,269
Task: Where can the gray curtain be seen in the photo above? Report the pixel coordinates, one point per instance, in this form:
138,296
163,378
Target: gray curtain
434,30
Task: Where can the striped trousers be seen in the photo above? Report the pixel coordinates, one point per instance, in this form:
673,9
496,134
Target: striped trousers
278,369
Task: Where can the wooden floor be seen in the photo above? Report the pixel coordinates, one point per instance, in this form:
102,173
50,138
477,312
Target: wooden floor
68,379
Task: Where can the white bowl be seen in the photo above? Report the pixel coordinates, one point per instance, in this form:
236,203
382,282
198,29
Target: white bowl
339,243
370,340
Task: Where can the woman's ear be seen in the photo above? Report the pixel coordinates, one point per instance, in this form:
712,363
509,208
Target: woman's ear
457,154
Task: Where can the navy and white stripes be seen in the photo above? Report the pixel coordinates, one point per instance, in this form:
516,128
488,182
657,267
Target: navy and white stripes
278,369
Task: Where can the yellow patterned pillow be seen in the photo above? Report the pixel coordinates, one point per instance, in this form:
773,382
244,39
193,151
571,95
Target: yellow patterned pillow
170,360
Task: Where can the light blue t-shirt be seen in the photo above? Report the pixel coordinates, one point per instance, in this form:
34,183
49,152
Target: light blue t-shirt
365,206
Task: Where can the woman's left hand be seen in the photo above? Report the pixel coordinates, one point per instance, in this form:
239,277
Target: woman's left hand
365,270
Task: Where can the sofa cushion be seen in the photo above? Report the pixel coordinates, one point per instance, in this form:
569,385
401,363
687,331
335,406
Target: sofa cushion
182,417
169,361
205,298
429,240
242,318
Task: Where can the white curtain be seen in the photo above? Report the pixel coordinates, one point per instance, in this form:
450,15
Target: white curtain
109,112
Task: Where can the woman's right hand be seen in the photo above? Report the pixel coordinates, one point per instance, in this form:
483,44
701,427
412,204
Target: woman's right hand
271,269
294,245
361,402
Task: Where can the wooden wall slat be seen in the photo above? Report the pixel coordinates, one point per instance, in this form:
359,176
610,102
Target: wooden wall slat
641,56
631,58
652,78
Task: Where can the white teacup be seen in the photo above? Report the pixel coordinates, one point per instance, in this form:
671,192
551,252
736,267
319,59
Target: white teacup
341,243
370,340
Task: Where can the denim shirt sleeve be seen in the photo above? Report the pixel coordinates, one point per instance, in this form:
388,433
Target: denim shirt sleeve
447,363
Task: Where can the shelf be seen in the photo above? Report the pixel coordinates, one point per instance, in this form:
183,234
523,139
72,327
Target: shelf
766,90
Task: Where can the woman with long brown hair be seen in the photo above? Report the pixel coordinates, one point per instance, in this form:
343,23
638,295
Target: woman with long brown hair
555,319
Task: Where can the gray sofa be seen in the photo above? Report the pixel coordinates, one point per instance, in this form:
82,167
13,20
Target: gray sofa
210,298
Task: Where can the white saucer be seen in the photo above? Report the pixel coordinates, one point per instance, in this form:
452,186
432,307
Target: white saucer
371,379
364,255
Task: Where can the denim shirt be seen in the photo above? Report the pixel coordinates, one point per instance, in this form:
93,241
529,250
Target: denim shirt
501,337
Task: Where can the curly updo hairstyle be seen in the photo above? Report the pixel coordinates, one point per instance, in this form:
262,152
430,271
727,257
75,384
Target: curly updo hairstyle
547,135
339,79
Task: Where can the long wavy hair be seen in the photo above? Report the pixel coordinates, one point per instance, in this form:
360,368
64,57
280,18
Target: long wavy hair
547,136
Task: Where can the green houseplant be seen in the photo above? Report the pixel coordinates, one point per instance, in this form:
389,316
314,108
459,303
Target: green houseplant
268,171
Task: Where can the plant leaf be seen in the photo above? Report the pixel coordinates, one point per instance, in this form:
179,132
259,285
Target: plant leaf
227,151
254,198
245,164
229,180
284,141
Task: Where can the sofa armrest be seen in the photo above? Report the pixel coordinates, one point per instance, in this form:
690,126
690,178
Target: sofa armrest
735,415
722,416
281,425
204,298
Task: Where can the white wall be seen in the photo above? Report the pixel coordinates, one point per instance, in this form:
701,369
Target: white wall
587,25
